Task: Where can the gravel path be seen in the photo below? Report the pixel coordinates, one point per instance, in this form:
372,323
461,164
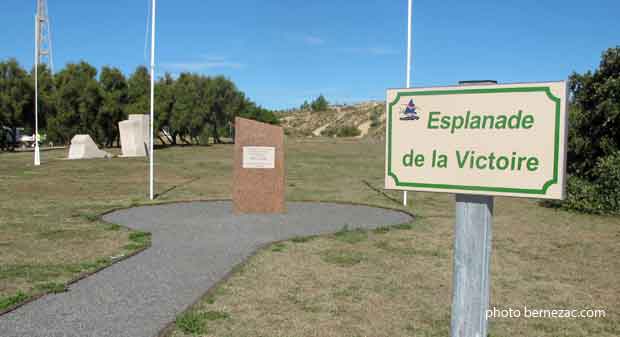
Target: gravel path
194,246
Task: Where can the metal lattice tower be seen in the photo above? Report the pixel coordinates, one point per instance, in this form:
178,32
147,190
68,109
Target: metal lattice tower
44,52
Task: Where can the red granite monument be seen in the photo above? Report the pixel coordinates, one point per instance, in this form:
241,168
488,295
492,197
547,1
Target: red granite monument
258,174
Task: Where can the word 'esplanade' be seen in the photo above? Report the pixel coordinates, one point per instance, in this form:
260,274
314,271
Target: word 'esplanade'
517,120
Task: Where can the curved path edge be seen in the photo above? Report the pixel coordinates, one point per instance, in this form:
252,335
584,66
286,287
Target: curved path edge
195,246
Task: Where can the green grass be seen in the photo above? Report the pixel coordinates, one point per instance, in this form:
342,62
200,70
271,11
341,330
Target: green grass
140,237
410,251
192,323
392,281
9,301
52,287
396,280
303,239
278,247
138,240
196,323
351,236
113,227
35,273
381,230
89,266
404,226
342,258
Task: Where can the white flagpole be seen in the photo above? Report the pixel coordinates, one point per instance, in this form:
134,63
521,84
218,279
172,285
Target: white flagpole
409,10
37,154
409,19
152,119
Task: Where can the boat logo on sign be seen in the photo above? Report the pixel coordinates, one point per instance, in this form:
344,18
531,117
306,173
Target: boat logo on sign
408,112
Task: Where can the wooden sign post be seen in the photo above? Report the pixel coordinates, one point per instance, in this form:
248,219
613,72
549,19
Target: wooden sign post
478,140
472,253
471,260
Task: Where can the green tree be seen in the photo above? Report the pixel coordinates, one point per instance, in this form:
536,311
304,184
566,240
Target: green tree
226,102
199,121
319,104
191,108
139,92
594,139
164,104
15,99
252,111
78,100
47,97
112,110
594,115
187,99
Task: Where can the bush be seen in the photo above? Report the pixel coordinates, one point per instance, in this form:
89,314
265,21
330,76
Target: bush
594,139
600,196
348,131
375,120
342,131
608,183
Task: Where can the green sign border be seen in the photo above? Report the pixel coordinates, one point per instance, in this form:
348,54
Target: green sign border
541,191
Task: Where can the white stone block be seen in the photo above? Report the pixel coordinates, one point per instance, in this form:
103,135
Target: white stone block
83,147
134,134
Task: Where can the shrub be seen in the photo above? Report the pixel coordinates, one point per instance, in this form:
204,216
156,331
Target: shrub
348,131
342,131
594,139
375,118
608,183
601,195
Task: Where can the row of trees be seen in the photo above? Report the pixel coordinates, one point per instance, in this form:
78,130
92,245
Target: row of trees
189,108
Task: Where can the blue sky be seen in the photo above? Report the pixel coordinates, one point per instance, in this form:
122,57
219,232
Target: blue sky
282,52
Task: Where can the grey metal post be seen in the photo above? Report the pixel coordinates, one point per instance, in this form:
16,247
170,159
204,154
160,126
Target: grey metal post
472,252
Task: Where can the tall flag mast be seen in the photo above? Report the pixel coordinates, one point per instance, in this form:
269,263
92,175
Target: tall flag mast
44,36
152,119
37,154
409,19
42,55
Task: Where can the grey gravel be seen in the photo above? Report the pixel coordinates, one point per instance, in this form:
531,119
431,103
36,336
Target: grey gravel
194,246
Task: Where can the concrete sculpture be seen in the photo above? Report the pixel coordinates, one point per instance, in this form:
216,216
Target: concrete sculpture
83,147
134,134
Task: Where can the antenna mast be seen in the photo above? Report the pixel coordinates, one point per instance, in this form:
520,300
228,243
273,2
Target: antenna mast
44,36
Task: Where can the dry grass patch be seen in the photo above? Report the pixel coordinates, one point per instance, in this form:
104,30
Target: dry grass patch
386,282
328,287
397,282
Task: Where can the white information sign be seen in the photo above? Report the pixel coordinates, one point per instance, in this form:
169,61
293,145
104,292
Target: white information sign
259,157
491,140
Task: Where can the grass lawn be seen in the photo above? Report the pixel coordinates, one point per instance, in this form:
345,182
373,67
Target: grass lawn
392,282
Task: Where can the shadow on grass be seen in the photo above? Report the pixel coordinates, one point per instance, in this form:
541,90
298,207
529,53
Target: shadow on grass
381,192
175,187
